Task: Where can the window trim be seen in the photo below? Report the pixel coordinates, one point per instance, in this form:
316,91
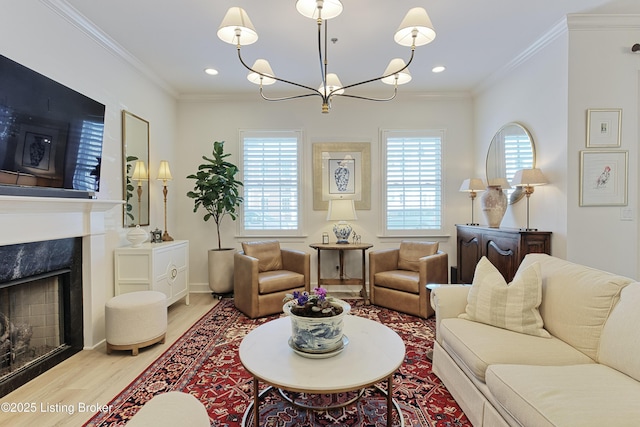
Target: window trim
384,232
295,233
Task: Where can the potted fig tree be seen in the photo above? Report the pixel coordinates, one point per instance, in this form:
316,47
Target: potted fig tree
217,191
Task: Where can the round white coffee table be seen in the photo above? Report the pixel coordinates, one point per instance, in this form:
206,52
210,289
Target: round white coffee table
374,352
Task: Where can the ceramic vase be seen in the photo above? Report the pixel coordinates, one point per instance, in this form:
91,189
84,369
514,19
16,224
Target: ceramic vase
494,205
317,335
137,236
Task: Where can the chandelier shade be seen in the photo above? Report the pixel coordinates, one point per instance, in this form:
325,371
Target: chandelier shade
315,9
415,29
395,77
236,28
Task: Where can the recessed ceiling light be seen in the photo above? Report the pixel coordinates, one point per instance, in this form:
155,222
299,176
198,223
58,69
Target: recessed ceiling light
438,69
211,71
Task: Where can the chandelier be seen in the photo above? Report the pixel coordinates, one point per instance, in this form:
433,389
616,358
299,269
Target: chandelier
415,30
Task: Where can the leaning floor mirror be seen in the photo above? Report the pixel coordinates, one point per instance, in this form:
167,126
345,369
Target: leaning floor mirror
135,156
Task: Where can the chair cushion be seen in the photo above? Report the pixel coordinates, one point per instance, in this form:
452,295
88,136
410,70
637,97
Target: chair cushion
410,253
401,280
267,252
278,280
512,306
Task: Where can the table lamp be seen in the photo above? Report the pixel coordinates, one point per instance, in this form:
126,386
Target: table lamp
164,174
472,186
140,174
528,179
342,210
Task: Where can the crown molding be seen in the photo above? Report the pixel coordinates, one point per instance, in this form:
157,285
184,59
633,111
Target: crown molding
555,32
590,22
71,15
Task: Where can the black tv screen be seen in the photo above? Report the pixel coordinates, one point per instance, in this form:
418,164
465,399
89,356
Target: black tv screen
50,136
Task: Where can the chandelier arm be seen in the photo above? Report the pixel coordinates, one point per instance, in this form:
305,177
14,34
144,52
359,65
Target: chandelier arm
366,98
377,78
315,91
286,98
323,61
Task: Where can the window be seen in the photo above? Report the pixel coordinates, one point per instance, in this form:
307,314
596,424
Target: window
412,184
271,178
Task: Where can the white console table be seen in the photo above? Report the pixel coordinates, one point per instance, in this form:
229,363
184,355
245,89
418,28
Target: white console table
162,267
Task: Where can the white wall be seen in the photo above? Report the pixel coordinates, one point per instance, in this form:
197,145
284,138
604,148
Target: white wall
36,34
533,93
588,64
202,122
603,73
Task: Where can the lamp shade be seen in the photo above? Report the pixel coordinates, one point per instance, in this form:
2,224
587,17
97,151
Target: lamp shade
140,172
341,210
333,83
404,76
164,173
310,9
262,66
499,182
416,19
472,184
529,178
236,20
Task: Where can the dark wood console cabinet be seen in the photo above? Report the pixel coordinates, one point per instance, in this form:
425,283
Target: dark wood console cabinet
504,247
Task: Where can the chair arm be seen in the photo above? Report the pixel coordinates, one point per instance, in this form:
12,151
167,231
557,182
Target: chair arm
298,262
448,301
382,260
245,282
434,268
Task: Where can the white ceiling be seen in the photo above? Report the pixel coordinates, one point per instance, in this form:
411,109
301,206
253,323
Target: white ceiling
177,40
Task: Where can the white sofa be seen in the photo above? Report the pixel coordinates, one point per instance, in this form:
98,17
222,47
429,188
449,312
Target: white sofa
586,374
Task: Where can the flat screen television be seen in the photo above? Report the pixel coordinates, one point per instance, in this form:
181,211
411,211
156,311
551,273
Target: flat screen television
50,136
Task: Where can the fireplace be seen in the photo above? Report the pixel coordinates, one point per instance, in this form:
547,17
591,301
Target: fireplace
41,315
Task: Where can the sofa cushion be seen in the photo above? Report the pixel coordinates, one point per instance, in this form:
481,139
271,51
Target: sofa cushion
410,253
580,395
401,280
576,300
475,346
620,341
512,306
267,252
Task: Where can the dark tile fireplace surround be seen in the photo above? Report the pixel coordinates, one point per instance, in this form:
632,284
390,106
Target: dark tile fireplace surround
40,282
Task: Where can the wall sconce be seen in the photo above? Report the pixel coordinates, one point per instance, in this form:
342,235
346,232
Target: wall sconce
342,210
140,174
528,179
472,186
164,174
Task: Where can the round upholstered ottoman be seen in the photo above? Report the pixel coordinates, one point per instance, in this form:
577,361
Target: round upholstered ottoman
171,409
135,320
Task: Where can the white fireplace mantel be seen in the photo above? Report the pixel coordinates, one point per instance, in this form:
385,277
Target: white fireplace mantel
27,219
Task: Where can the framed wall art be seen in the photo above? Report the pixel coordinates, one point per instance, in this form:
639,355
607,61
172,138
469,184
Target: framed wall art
341,170
603,128
603,178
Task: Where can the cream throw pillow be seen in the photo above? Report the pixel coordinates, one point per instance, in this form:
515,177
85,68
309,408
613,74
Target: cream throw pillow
512,306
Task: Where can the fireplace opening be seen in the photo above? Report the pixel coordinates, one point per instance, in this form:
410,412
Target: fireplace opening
40,308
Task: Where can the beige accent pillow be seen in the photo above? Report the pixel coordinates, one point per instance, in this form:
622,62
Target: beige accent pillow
410,253
267,252
512,306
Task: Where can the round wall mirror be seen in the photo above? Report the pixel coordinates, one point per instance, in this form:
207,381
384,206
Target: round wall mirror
511,149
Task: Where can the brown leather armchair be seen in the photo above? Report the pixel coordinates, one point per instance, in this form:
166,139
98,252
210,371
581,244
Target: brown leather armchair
398,277
263,274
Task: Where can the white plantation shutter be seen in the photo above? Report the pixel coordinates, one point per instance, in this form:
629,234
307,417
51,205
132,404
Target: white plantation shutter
271,178
89,156
517,154
413,180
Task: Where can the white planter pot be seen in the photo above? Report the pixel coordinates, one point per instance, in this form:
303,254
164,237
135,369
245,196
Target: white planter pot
317,334
221,270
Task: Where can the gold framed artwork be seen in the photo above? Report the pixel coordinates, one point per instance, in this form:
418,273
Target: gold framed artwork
603,128
342,170
603,178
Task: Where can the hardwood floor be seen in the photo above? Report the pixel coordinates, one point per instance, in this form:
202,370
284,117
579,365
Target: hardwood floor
62,396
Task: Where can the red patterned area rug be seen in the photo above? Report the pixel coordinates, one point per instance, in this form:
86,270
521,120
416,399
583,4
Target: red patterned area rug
204,362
